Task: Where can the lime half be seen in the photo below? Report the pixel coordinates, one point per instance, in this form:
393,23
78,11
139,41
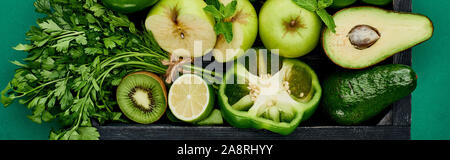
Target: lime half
190,98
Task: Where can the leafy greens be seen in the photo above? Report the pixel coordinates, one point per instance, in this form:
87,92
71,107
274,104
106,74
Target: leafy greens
222,14
77,55
318,6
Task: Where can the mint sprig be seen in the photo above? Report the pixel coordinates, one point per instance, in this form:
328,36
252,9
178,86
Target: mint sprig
222,14
318,6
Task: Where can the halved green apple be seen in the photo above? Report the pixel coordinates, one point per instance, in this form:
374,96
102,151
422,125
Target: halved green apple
182,28
245,30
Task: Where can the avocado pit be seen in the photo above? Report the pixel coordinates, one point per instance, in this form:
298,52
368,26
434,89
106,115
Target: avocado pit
363,36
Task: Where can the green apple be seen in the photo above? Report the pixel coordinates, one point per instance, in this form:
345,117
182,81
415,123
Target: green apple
245,31
288,27
342,3
182,27
377,2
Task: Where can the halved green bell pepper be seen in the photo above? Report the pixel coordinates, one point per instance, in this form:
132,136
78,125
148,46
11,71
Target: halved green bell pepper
278,102
128,6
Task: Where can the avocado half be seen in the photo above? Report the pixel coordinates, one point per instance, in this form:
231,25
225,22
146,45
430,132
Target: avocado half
366,36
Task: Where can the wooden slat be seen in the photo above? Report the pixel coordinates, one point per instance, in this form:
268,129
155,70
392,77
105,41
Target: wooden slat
401,112
171,132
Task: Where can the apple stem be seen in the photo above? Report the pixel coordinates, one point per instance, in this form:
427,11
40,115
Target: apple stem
293,23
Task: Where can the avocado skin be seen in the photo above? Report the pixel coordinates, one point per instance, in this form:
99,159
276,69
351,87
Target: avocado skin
352,97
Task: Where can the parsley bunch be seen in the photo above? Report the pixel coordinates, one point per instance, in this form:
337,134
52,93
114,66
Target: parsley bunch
77,56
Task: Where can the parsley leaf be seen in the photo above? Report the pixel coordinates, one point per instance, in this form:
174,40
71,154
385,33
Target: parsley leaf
76,57
42,6
50,26
23,47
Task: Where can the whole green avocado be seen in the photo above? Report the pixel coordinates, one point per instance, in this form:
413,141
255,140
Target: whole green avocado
352,97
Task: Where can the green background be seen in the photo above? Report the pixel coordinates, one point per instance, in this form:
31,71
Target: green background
431,61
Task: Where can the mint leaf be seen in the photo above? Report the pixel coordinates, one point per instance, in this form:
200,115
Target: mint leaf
225,28
322,4
221,13
310,5
319,6
230,9
213,11
327,19
214,3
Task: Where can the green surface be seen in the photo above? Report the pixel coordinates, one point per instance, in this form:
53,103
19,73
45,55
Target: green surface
16,19
431,60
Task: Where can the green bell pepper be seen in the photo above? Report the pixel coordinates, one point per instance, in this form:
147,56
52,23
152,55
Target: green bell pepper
278,102
128,6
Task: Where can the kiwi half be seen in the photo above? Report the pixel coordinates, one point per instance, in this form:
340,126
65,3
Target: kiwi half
142,97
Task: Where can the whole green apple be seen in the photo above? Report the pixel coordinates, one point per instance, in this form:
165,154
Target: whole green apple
288,27
377,2
245,31
182,27
128,6
342,3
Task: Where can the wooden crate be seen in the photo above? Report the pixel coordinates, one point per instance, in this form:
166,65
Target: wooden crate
393,123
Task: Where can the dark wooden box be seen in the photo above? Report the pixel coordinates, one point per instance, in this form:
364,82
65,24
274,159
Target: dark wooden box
394,123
